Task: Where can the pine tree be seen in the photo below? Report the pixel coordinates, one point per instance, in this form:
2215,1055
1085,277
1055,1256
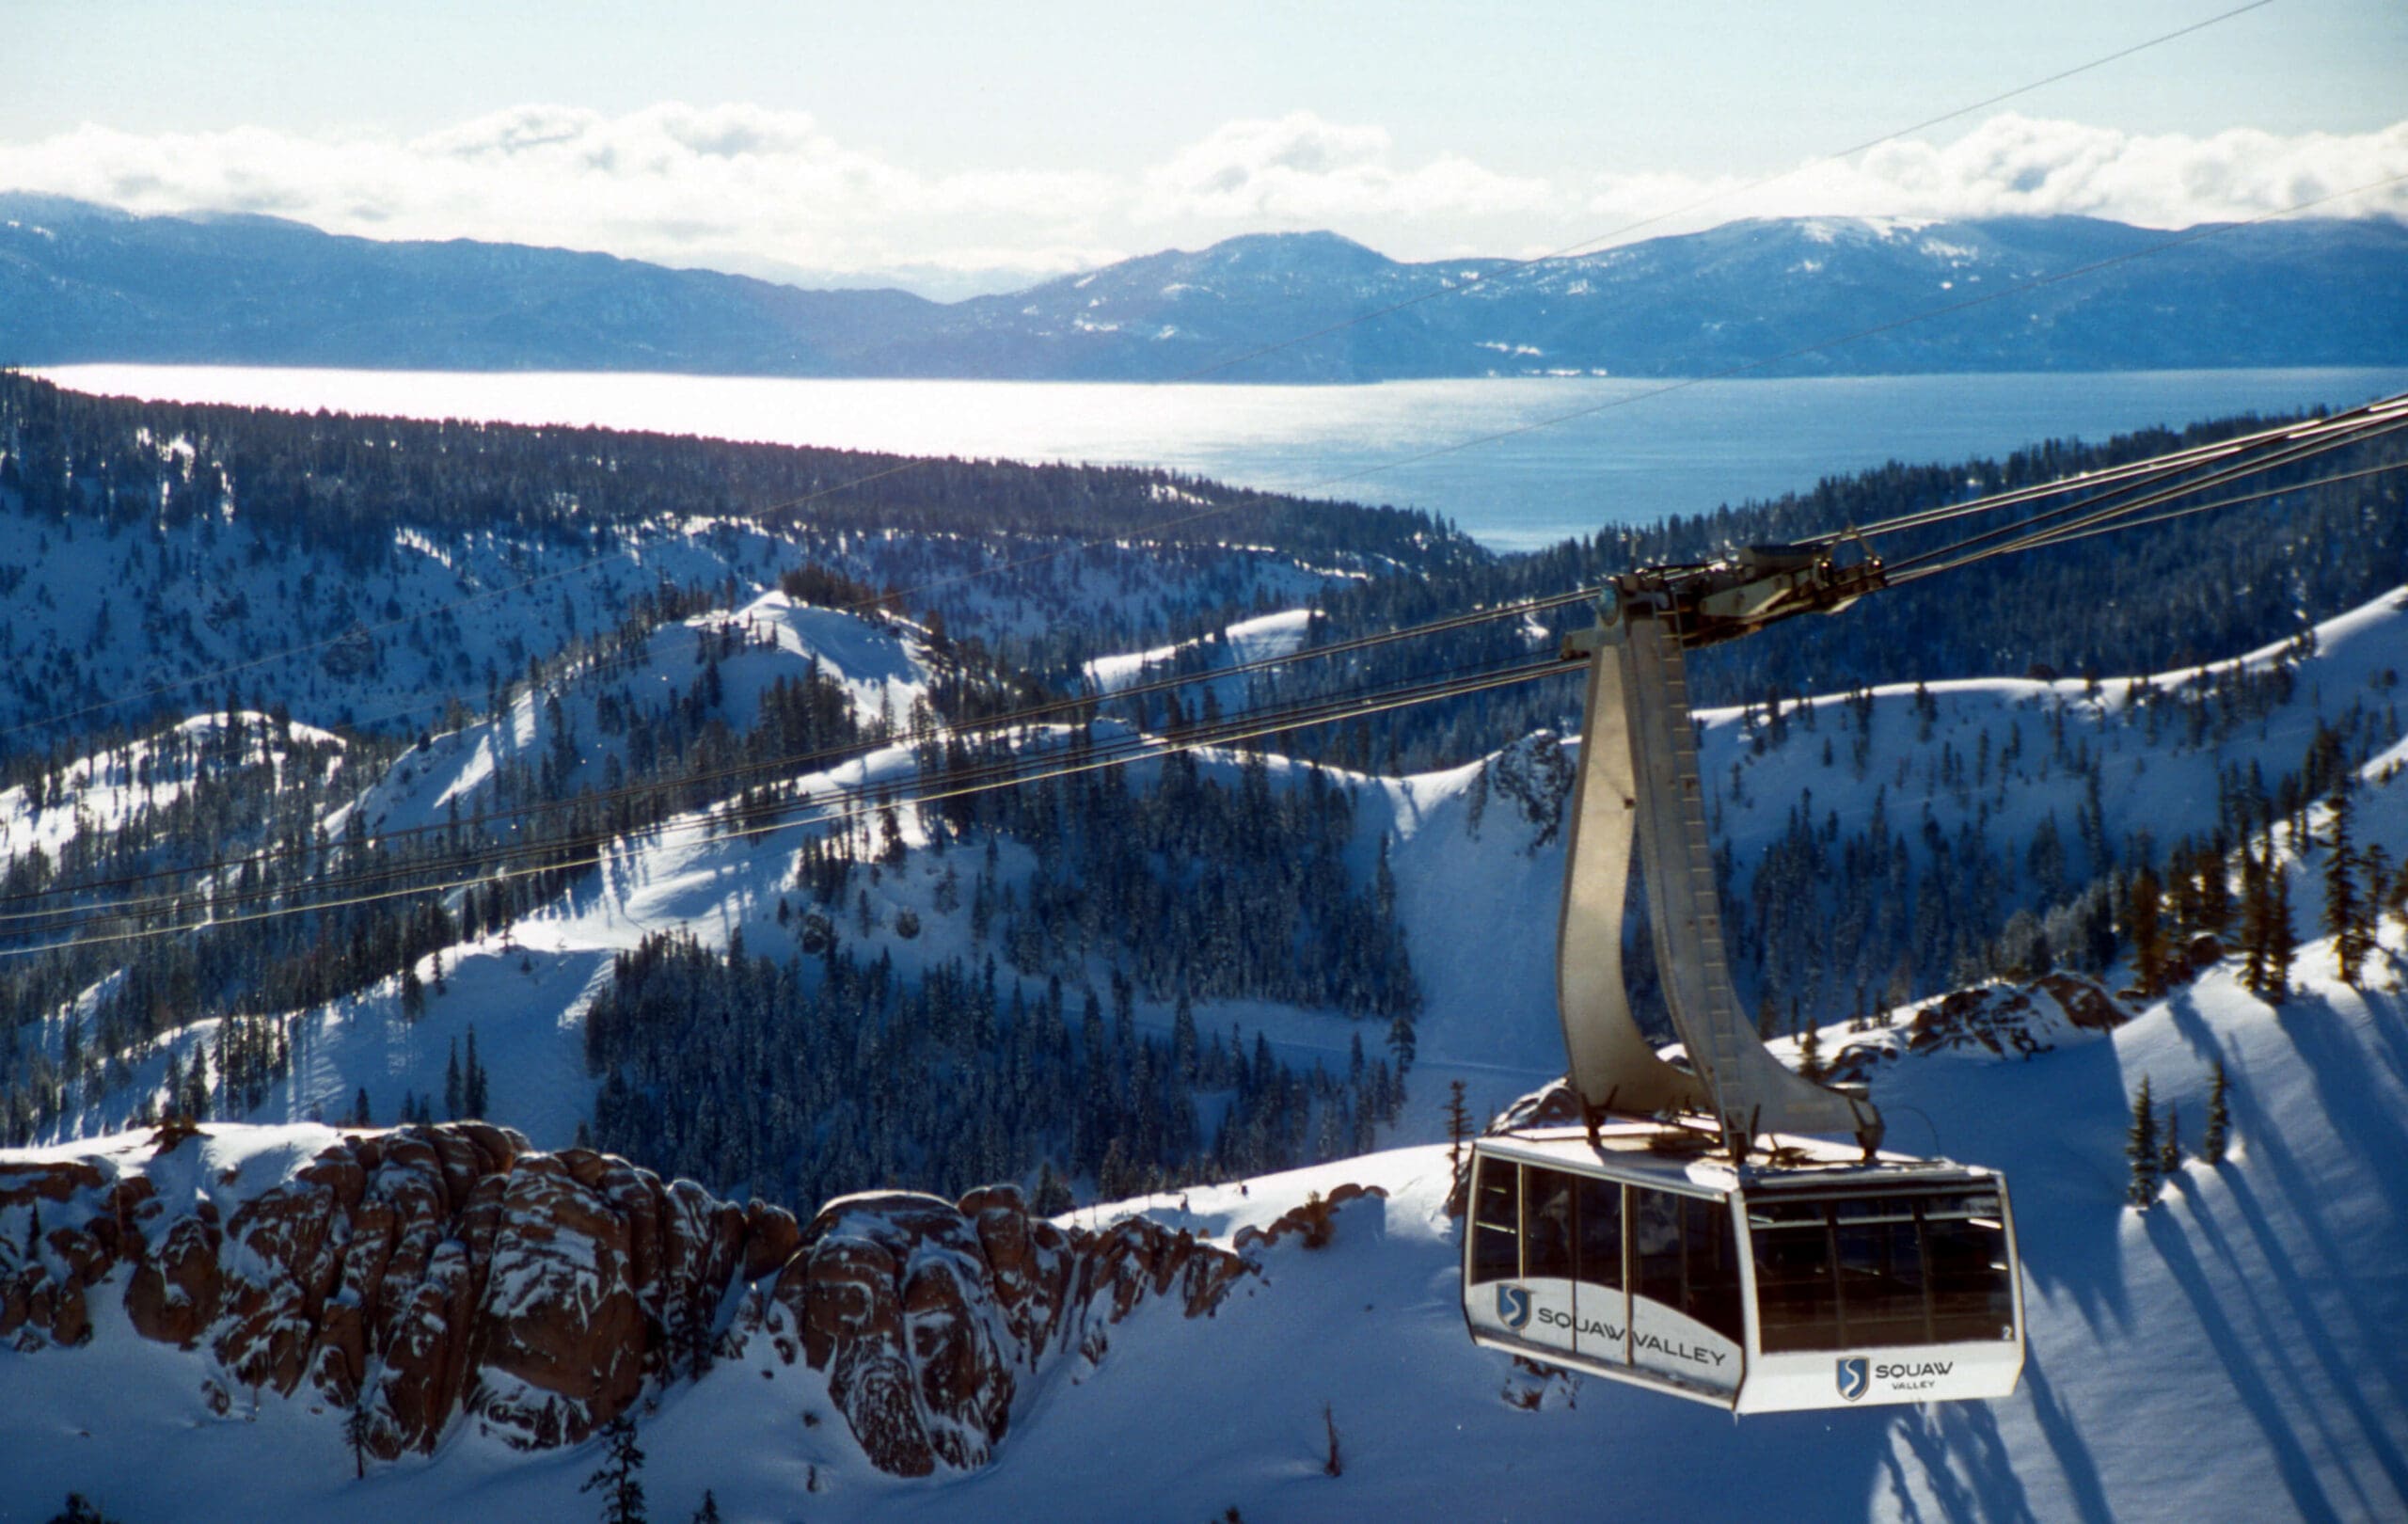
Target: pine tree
355,1433
2215,891
472,1087
2144,928
620,1476
708,1513
2212,1146
1052,1195
2169,1151
2283,942
2140,1147
2343,921
2256,923
1114,1177
1183,1037
197,1088
1458,1130
453,1095
359,1113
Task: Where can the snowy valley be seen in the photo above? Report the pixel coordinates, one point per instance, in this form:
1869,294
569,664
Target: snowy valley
1188,1255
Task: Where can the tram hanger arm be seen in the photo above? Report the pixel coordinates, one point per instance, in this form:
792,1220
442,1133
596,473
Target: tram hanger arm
1637,793
1707,603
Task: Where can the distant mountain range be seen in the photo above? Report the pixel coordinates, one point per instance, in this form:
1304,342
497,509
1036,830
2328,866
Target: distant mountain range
85,283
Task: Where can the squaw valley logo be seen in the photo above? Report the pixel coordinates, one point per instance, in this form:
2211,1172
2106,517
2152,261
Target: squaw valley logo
1513,1306
1855,1374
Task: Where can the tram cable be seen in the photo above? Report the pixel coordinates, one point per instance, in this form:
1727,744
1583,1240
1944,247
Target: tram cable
2053,525
2299,442
858,800
2103,476
2055,539
789,505
873,794
819,760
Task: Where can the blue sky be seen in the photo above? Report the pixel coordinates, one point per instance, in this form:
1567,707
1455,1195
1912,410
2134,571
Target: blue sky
977,143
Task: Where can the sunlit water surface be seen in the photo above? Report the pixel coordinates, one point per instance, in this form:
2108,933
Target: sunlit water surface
1576,454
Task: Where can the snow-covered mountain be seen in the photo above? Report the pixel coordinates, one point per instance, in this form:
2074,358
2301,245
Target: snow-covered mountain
759,965
2231,1353
84,283
1958,773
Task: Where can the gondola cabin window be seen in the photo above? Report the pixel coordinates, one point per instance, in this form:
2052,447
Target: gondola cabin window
1495,1218
1546,1223
1682,1251
1839,1273
1600,1248
1686,1256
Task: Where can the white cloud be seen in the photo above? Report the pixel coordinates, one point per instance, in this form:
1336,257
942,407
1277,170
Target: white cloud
726,186
751,189
1300,171
2012,164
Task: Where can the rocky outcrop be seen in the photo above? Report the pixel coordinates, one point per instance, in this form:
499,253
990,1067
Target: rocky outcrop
1313,1220
431,1276
2000,1020
927,1314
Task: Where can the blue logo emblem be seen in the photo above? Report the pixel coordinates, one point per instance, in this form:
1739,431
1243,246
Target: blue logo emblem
1513,1308
1855,1374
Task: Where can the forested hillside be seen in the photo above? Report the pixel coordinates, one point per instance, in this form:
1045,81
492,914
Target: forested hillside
405,563
582,744
532,648
2172,594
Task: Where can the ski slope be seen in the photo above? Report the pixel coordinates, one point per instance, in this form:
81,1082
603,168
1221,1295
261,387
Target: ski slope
2231,1355
1476,853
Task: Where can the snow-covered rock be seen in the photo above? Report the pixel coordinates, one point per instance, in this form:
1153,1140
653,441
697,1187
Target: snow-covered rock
431,1273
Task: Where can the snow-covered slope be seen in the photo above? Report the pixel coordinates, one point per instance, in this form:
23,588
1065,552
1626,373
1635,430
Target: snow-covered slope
2231,1355
1477,851
881,668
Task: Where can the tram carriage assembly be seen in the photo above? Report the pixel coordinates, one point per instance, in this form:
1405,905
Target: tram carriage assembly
1824,1281
1693,1230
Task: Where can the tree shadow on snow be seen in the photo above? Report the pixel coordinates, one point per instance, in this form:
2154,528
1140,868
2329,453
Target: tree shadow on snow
1964,1465
2293,1465
2303,1325
2060,1118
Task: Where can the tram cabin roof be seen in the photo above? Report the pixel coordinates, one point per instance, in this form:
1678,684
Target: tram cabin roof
1677,1156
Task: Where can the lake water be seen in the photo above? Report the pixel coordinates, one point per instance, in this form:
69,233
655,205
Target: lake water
1576,453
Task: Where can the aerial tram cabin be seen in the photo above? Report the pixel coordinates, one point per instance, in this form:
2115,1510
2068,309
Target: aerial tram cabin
1642,1256
1693,1228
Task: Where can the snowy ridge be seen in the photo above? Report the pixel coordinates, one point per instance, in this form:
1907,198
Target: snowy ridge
1484,838
1260,638
2226,1355
111,789
882,668
2231,1353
